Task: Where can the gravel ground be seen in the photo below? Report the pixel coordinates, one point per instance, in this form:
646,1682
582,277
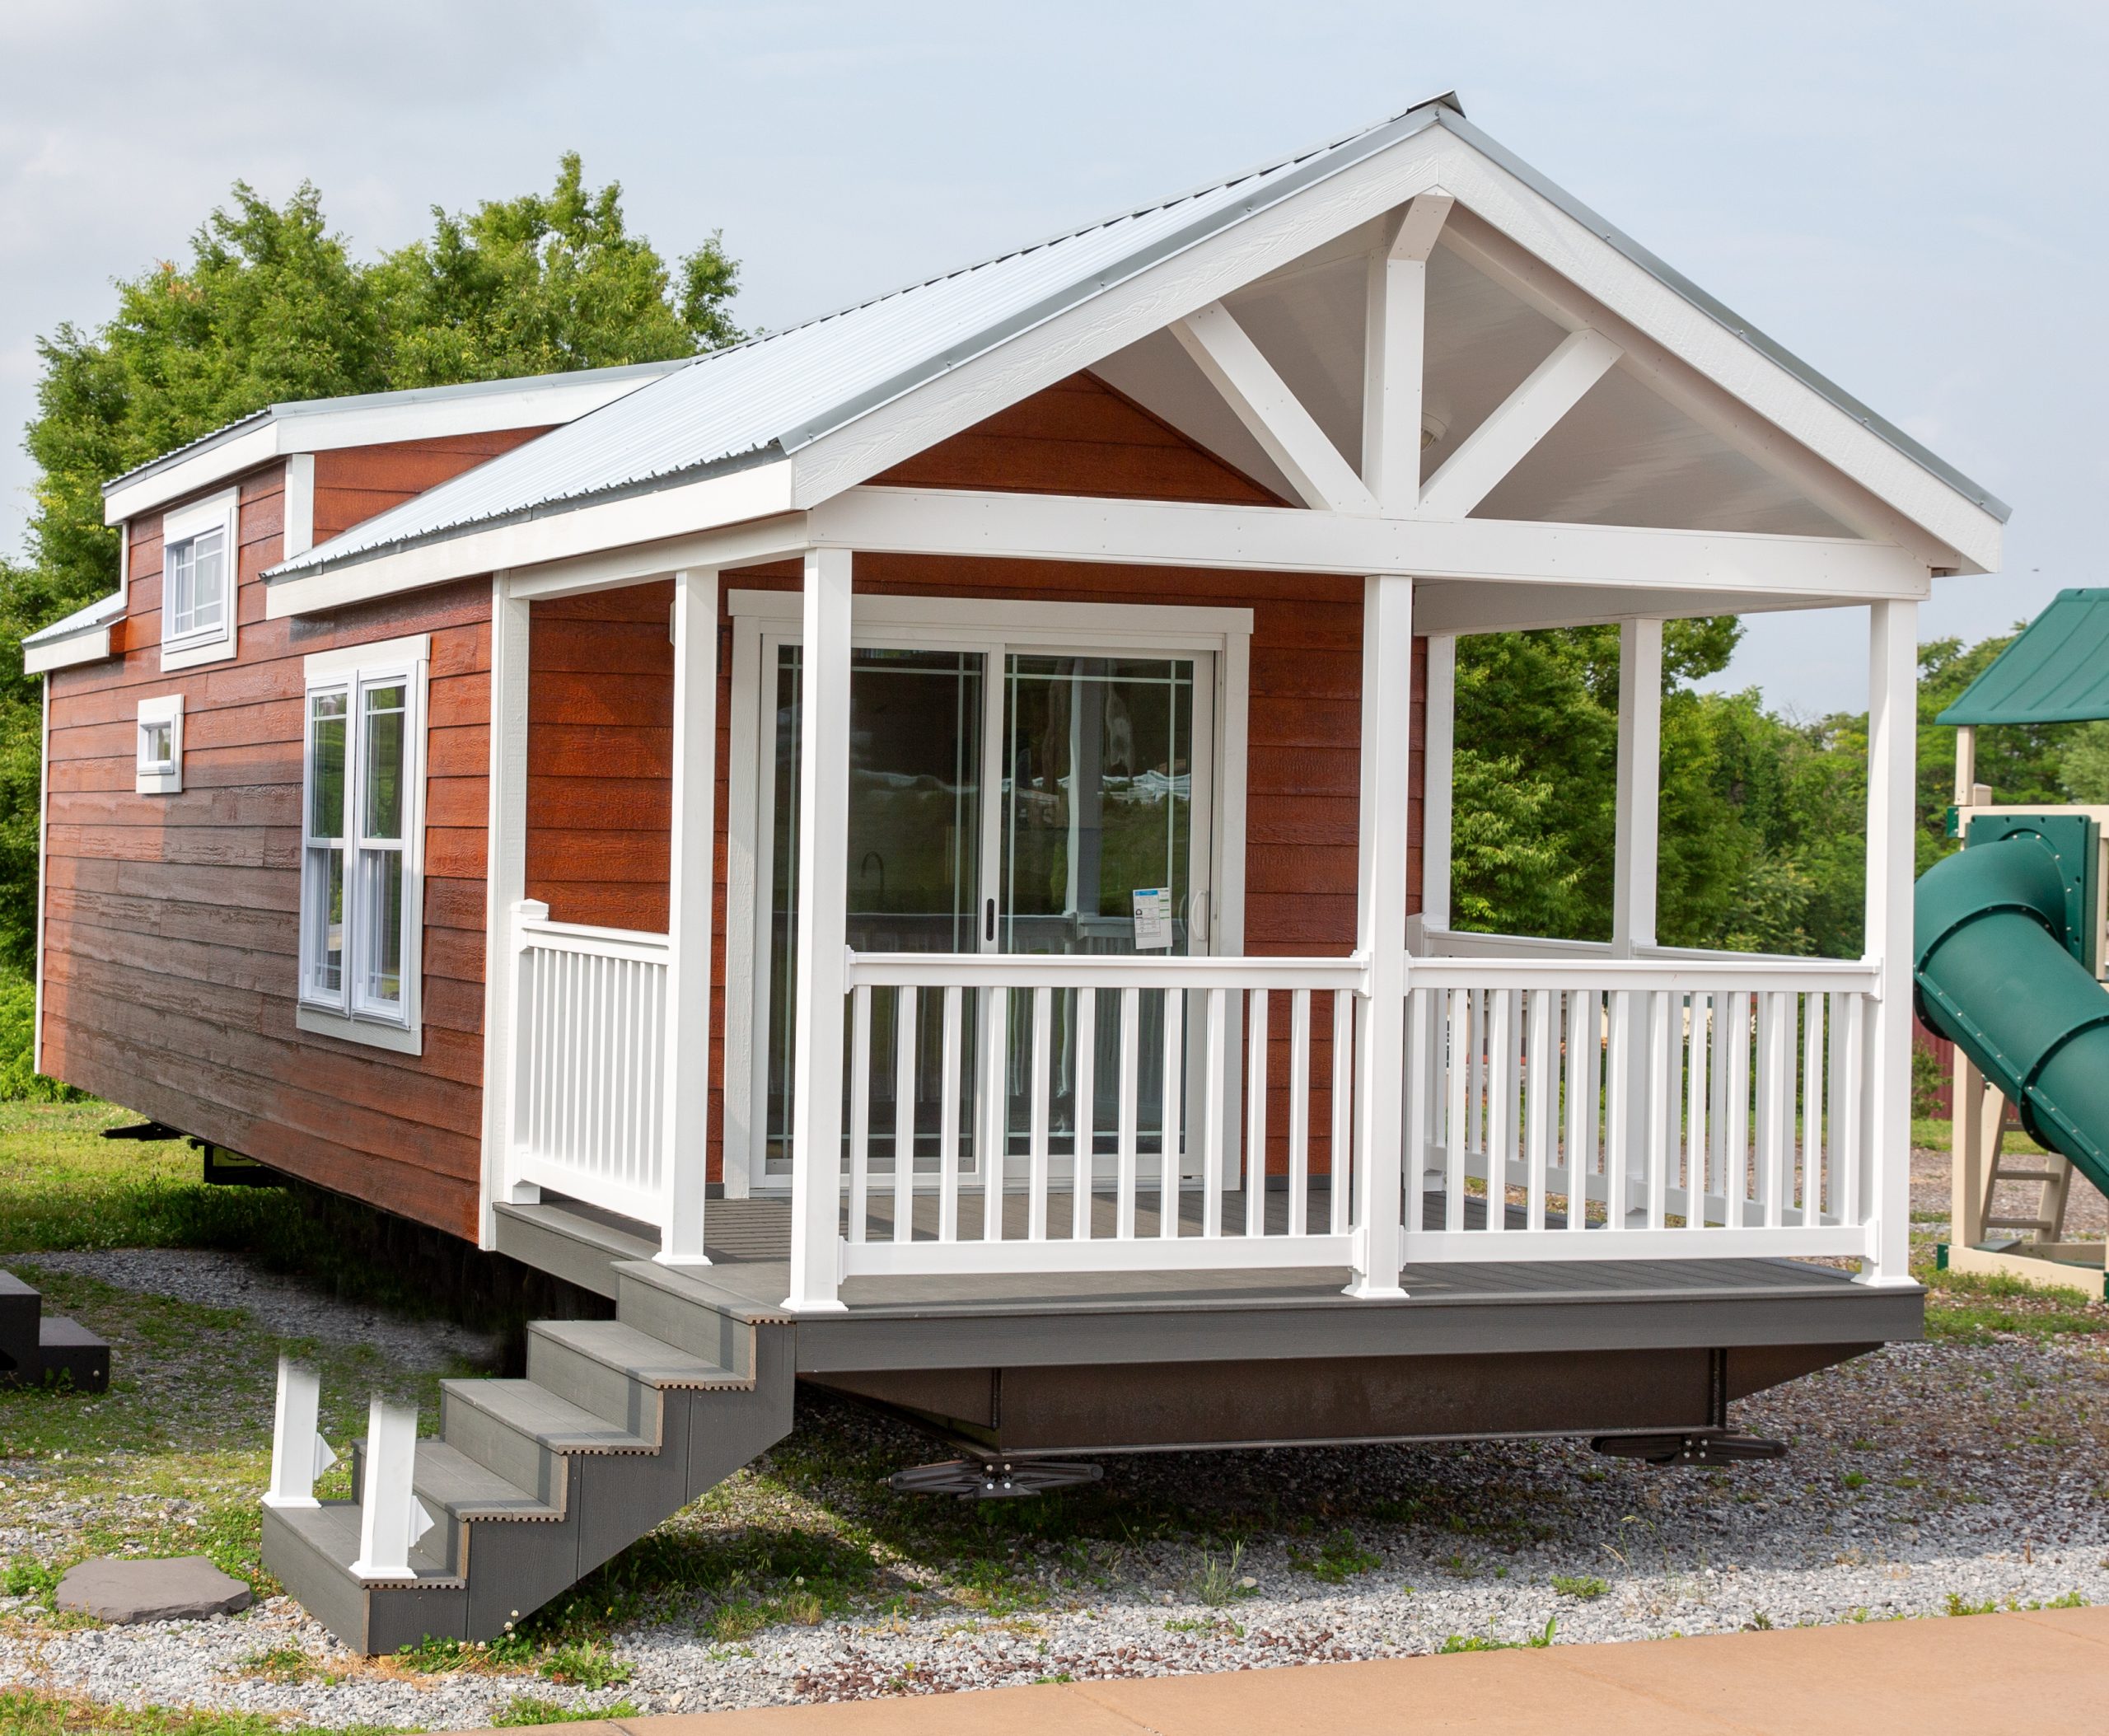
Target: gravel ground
278,1304
1921,1477
2087,1212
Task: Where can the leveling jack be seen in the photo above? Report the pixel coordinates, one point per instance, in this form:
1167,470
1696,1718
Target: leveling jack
1688,1449
991,1479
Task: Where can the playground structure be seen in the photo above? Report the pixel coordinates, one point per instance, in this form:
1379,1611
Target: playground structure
2010,953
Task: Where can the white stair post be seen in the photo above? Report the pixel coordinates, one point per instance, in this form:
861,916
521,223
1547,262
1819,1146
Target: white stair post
391,1519
299,1454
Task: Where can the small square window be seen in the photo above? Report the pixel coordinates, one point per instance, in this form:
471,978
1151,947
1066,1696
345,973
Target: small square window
197,582
160,745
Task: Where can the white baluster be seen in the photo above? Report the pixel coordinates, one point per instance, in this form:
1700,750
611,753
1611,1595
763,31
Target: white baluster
1812,1107
1499,1122
1173,1112
1461,1071
1255,1115
1665,1079
907,1027
948,1123
391,1518
1696,1167
860,1106
1299,1109
1036,1157
299,1454
1618,1109
1217,1087
1085,1164
995,1110
1126,1138
1540,1082
1340,1151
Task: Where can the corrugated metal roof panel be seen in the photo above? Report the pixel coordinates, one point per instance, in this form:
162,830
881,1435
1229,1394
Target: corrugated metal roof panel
2056,672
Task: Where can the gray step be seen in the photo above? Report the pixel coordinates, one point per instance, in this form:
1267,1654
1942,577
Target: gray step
311,1551
686,1310
617,1372
64,1346
526,1433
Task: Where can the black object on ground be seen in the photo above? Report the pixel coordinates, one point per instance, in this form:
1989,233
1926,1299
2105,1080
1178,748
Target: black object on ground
37,1349
993,1479
1688,1449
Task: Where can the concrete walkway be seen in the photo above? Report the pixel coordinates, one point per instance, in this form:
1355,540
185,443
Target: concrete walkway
2042,1673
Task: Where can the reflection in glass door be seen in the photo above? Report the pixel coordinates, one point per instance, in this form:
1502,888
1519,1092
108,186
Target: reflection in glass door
1098,783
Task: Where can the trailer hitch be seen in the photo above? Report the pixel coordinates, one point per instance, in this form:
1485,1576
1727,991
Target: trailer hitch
993,1479
1694,1448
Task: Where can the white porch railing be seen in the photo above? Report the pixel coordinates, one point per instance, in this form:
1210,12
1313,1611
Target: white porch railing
1667,1109
589,1046
975,1147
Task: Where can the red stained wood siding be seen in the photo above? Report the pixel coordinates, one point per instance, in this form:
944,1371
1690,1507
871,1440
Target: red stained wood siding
170,938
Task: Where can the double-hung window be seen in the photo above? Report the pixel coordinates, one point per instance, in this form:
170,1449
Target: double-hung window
362,838
198,582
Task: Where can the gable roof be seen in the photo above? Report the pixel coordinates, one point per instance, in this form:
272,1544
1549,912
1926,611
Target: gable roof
766,399
2056,672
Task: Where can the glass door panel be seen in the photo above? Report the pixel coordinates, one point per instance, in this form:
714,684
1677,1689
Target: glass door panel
1098,779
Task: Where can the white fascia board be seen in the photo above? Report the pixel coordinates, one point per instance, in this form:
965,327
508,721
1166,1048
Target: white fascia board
87,645
758,492
1088,332
737,545
1569,251
1289,540
367,424
1463,609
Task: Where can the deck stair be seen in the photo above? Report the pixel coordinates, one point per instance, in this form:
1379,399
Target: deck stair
36,1347
531,1484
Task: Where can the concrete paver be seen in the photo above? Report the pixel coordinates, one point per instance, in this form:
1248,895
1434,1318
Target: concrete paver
2041,1672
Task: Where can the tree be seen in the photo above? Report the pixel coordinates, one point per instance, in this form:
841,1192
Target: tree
272,306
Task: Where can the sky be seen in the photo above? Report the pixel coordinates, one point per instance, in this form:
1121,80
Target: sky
1912,198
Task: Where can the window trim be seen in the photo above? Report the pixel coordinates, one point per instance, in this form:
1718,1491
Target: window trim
159,777
212,645
354,669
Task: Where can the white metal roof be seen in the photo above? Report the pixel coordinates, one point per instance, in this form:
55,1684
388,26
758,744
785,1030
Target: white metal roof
774,395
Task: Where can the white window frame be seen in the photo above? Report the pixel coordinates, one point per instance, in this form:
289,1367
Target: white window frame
762,619
341,1013
216,642
161,776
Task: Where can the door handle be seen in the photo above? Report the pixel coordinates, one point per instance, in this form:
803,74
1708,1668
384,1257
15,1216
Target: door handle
989,921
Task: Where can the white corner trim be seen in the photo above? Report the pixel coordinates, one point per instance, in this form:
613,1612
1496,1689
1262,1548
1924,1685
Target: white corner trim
298,506
320,666
320,1021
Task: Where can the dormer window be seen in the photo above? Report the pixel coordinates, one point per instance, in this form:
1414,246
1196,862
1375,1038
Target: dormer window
198,582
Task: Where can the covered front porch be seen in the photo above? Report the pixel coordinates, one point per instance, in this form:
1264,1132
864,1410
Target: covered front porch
1091,1109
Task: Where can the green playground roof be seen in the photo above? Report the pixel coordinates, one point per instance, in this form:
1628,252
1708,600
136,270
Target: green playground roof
2056,672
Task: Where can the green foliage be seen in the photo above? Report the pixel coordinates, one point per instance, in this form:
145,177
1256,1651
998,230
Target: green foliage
525,1709
20,1082
585,1664
1483,1643
272,306
1338,1557
1584,1586
1927,1078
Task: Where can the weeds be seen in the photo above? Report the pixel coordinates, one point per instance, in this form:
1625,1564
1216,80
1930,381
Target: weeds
1486,1643
1221,1583
1584,1586
1338,1557
526,1710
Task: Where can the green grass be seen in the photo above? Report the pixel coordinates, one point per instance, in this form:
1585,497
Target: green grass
1484,1643
1584,1586
1974,1307
28,1712
1339,1558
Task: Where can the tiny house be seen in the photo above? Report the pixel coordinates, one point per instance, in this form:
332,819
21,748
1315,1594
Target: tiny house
913,853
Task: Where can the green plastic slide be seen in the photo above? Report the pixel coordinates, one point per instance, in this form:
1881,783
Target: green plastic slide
2002,942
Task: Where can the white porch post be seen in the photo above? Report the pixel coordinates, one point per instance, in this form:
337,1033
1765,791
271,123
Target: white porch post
1387,662
823,935
684,1147
1892,775
1639,785
1438,763
510,624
